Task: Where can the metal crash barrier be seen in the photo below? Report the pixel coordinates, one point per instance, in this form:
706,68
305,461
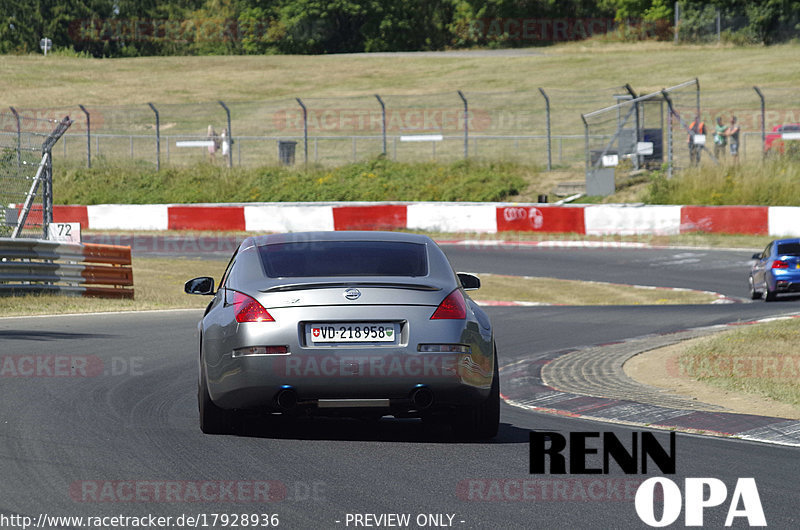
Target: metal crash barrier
37,266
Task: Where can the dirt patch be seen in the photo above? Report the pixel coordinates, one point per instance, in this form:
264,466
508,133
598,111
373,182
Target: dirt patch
659,368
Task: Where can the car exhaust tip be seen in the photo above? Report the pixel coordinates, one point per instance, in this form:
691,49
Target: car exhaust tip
422,398
286,399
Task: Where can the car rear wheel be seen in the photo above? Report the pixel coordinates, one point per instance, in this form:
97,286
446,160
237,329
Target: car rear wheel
481,422
213,420
754,295
769,296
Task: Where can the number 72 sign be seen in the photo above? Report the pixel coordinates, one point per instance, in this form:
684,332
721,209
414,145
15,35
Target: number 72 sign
64,232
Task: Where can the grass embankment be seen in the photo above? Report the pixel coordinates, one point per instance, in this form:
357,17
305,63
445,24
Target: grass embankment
374,180
159,285
761,360
775,182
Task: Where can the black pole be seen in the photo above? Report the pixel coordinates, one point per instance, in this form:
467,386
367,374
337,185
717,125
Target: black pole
305,130
633,95
763,121
158,138
547,120
466,124
88,137
229,138
383,122
19,136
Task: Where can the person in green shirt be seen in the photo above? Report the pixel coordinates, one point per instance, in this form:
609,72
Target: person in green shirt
720,138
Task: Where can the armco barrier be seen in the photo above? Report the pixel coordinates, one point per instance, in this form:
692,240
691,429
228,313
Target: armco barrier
38,266
592,219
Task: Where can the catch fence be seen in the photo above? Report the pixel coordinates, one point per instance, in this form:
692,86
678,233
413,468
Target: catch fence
541,127
26,173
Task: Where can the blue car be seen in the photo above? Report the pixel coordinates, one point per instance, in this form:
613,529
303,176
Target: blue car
776,270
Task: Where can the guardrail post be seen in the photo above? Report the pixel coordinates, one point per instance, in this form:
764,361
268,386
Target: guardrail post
229,137
19,136
158,137
383,122
466,124
88,137
305,130
547,123
763,121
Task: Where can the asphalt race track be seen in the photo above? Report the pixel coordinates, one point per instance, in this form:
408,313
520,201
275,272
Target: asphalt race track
107,423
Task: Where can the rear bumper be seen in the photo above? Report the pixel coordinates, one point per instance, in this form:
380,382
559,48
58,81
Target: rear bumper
254,383
785,281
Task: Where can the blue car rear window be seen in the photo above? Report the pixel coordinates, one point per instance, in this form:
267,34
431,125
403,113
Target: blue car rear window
344,258
792,249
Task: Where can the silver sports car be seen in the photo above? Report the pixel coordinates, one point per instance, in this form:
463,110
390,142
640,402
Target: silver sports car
349,323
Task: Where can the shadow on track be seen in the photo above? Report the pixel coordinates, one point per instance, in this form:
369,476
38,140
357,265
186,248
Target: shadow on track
386,429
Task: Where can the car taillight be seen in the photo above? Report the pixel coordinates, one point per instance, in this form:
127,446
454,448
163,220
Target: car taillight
453,307
249,310
780,264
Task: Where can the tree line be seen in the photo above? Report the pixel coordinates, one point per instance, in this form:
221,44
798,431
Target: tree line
131,28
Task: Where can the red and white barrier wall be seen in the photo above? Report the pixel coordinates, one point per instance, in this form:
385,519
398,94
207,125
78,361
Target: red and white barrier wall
601,219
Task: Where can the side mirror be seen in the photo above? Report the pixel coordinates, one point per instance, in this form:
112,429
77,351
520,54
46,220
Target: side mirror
201,285
469,282
756,256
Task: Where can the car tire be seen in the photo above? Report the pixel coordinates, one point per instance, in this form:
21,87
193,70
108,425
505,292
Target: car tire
213,420
481,422
769,296
754,295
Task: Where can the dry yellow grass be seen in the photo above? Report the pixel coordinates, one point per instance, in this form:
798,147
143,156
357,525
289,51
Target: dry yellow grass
37,81
159,285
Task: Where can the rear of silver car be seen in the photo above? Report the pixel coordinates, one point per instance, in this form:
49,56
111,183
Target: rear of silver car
407,345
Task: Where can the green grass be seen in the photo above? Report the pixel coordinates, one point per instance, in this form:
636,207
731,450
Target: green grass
775,182
375,180
158,284
761,359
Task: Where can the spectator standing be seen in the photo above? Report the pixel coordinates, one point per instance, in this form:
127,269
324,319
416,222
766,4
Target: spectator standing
720,138
225,142
733,138
212,137
698,127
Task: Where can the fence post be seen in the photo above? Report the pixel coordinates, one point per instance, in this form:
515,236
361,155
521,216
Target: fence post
677,19
670,154
305,130
763,121
586,145
88,137
383,122
697,83
158,138
19,136
229,137
547,122
634,96
466,124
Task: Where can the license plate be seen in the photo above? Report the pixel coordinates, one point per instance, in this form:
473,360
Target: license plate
351,332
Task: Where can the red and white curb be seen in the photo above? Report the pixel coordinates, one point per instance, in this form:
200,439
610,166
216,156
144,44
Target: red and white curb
527,391
448,217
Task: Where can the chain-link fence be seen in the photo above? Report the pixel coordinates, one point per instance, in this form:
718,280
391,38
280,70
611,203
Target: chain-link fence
640,131
539,127
758,24
26,198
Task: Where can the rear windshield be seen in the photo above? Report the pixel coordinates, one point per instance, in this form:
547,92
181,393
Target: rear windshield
792,249
344,258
